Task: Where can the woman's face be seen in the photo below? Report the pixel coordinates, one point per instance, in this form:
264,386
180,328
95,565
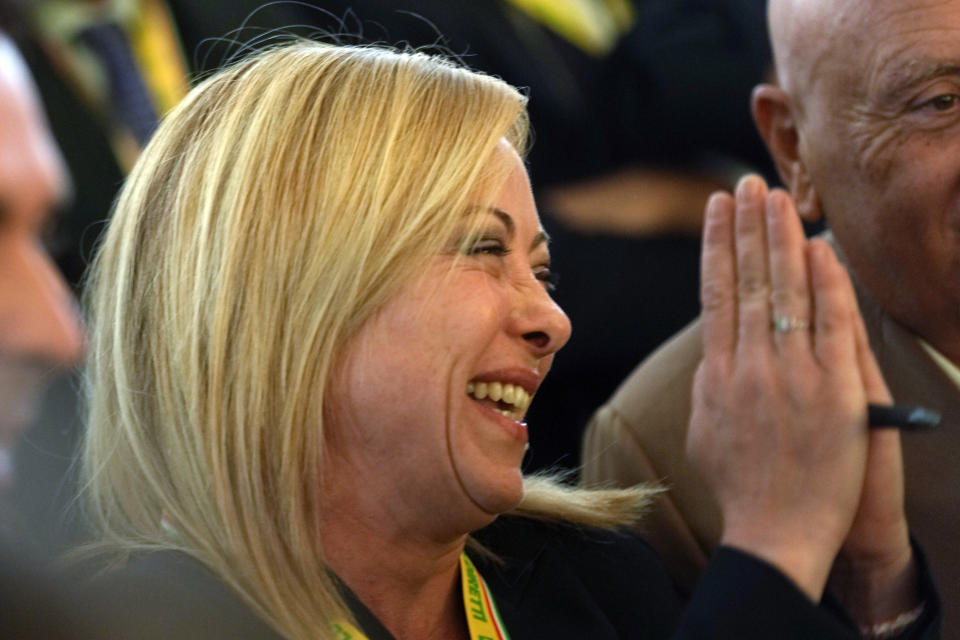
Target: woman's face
429,415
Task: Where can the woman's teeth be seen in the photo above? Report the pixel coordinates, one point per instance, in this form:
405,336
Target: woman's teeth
506,393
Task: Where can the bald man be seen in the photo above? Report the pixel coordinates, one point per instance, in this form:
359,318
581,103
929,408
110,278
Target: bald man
864,127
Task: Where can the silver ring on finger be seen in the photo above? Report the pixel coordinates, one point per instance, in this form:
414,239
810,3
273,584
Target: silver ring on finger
786,324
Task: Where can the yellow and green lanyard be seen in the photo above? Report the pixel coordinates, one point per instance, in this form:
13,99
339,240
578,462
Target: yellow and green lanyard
483,619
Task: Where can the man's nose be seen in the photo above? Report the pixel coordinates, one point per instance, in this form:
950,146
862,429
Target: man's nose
39,319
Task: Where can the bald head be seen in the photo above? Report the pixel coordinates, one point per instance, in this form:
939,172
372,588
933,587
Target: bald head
865,130
806,35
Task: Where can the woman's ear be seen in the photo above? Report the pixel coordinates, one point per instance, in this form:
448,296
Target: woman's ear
773,115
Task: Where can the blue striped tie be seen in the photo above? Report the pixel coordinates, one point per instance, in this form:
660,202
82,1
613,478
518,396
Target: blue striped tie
129,99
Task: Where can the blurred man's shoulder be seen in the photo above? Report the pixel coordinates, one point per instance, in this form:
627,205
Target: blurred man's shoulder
168,594
656,395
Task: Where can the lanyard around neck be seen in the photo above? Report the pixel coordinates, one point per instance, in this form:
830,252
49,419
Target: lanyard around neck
482,615
483,619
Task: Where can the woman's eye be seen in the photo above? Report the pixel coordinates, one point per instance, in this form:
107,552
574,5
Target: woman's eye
486,246
547,276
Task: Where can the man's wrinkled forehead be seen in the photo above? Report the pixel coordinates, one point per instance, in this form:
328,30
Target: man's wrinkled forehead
847,41
811,36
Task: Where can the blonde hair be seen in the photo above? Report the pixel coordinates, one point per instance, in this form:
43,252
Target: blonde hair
277,207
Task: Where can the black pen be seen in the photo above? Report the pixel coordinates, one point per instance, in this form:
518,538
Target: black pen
900,416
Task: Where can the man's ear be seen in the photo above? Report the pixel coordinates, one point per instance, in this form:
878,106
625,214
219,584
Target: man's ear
775,121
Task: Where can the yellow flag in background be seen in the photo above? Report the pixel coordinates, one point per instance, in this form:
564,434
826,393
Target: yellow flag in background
157,48
592,25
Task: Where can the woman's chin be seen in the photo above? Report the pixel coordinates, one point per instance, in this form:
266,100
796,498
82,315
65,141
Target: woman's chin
494,498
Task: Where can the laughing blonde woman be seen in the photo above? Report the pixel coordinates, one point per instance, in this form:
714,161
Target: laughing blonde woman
318,317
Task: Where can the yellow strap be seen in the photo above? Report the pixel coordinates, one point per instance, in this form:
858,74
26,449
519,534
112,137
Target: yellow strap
592,25
483,619
157,49
346,631
482,616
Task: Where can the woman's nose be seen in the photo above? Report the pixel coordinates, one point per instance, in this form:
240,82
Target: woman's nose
540,321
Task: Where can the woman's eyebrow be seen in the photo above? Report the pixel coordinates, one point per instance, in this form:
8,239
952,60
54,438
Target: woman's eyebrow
505,219
501,215
540,238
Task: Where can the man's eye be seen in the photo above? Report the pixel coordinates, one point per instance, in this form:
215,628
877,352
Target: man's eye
943,102
54,238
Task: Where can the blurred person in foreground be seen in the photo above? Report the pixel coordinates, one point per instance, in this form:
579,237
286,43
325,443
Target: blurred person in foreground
318,317
865,129
39,333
